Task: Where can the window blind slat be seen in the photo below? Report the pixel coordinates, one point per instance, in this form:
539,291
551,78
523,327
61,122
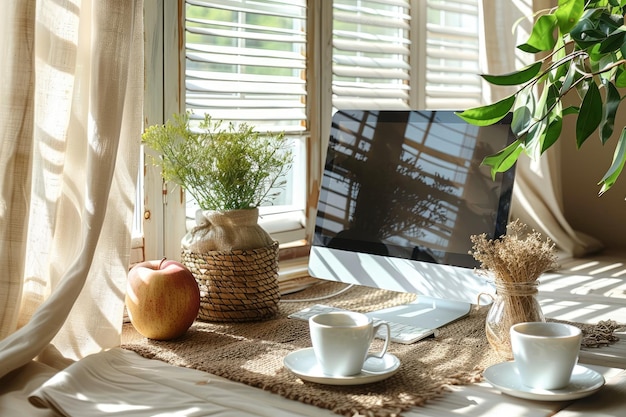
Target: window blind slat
284,8
382,73
446,54
462,7
453,94
367,103
222,76
230,50
368,62
449,33
203,100
246,60
260,116
243,87
369,91
235,33
449,103
383,3
371,47
344,35
372,19
454,80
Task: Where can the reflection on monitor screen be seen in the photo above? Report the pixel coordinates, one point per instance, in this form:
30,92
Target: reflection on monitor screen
401,194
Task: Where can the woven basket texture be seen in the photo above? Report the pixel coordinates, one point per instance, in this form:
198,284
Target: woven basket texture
238,285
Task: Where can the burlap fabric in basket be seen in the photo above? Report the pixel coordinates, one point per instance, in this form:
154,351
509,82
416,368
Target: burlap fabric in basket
235,263
237,285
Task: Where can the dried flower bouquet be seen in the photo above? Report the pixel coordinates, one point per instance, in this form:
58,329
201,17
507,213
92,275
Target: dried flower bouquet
515,261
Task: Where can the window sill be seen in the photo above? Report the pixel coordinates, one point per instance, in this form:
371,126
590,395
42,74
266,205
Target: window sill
293,271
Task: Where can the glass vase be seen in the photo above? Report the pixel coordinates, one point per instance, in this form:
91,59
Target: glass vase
514,302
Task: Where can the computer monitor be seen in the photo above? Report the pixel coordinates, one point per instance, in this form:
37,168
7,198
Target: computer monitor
401,194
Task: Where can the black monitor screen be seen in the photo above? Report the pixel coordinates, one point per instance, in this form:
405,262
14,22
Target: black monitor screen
410,184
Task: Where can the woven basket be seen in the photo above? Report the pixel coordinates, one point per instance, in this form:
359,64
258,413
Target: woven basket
238,285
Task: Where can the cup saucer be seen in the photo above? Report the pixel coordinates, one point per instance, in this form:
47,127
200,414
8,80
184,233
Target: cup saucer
504,377
304,364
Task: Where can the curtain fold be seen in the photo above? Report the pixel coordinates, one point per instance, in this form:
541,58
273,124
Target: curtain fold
537,196
16,115
71,121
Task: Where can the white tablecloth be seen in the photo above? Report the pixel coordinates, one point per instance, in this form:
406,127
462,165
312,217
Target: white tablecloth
119,382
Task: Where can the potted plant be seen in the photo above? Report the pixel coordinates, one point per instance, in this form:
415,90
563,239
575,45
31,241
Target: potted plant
230,171
582,44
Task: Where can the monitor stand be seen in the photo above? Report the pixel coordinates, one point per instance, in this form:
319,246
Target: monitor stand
425,312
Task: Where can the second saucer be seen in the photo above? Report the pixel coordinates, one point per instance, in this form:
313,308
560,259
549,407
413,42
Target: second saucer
504,376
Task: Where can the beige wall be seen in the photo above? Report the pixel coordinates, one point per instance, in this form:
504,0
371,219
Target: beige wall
603,217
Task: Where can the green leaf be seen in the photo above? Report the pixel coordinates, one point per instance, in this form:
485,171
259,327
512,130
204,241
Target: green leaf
623,50
619,158
609,23
505,159
594,57
537,132
568,13
534,138
620,78
552,133
542,36
590,114
523,112
607,68
571,110
585,33
489,114
612,43
554,120
571,77
613,100
556,74
515,78
600,32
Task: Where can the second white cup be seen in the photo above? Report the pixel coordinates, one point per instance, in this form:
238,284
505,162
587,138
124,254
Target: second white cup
545,353
341,341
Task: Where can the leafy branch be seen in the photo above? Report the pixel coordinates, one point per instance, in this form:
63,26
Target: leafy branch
585,51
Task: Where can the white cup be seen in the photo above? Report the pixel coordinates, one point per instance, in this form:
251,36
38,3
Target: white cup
341,341
545,353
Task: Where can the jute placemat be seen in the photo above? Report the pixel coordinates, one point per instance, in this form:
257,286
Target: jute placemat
252,353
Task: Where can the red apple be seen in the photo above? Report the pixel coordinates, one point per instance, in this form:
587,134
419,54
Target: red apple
162,299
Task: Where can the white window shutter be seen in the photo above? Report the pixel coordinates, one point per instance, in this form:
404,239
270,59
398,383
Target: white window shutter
452,55
371,49
245,61
397,54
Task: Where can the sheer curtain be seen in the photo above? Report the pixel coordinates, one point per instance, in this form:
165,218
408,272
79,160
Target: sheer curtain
537,198
70,122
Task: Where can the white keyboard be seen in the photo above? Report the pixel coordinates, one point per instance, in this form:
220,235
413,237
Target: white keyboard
400,333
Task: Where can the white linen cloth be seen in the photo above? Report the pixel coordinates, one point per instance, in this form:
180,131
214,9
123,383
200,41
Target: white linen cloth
118,382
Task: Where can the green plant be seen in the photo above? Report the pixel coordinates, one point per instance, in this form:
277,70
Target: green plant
222,168
583,43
